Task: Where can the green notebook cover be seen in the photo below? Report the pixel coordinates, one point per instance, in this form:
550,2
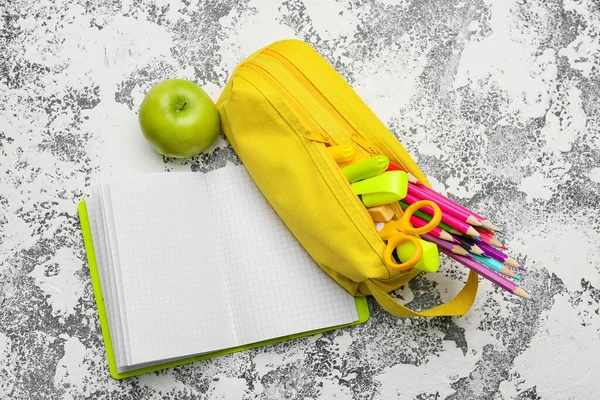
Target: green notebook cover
361,306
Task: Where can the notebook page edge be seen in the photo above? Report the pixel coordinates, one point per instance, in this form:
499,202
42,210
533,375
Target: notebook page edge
114,264
105,273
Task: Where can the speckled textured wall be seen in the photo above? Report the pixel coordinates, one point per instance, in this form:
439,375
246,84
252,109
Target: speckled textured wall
498,100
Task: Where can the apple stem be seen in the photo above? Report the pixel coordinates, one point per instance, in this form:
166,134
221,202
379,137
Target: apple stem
183,105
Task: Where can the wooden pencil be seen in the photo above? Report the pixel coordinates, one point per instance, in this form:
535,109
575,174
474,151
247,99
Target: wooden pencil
437,231
454,248
475,219
491,240
460,226
490,275
496,266
469,245
488,225
489,251
446,205
494,253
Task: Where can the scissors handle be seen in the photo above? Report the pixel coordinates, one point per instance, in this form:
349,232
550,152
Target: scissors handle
396,240
408,213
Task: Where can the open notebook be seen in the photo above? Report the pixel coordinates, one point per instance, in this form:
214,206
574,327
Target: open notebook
187,266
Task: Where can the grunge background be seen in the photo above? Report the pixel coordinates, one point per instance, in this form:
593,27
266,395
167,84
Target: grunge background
497,100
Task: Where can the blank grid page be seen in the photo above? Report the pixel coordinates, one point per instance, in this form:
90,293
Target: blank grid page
174,288
275,288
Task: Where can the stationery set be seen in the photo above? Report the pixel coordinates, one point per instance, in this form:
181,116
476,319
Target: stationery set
327,208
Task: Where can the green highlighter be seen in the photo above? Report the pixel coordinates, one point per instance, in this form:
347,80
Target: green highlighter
366,169
385,188
430,260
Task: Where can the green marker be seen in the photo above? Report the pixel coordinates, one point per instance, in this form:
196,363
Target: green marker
385,188
430,260
366,169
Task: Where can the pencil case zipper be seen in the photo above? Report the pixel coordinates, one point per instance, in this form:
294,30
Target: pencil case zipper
325,163
357,139
353,134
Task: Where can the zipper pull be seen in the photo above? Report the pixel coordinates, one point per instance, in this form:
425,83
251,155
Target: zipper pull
364,144
318,137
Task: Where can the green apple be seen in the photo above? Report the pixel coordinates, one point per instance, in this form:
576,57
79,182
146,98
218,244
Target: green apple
178,118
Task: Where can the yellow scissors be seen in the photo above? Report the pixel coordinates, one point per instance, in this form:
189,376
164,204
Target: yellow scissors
401,231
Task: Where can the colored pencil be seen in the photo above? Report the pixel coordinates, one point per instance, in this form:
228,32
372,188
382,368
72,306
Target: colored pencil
394,167
474,216
489,251
487,273
486,223
491,240
496,254
445,204
437,231
428,218
454,248
485,230
460,226
496,266
481,221
469,245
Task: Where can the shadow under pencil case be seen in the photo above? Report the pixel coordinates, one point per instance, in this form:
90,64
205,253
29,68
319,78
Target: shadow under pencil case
281,108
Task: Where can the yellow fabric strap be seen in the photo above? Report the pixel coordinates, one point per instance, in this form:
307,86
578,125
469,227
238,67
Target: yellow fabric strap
457,306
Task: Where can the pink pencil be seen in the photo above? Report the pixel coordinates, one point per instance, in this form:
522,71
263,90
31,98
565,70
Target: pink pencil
471,217
460,226
488,274
445,204
437,231
488,238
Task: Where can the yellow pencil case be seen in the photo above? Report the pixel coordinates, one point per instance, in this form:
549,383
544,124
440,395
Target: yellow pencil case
279,110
